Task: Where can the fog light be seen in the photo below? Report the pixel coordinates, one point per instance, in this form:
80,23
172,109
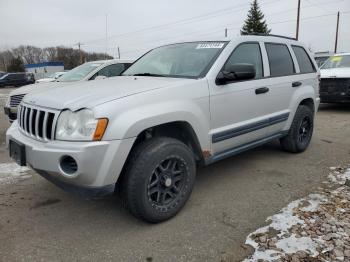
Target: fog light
68,165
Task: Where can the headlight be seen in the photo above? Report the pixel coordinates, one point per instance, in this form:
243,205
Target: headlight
80,126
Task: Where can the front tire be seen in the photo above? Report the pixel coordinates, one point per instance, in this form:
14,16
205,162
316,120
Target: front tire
159,179
300,132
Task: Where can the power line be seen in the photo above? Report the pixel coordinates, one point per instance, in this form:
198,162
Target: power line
209,15
220,30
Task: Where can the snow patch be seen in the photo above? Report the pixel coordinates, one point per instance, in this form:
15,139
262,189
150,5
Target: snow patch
314,201
285,219
284,224
11,172
293,244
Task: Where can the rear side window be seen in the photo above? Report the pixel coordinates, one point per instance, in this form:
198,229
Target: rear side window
280,60
248,53
303,59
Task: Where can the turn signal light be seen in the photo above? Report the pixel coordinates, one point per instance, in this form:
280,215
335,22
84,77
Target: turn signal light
100,129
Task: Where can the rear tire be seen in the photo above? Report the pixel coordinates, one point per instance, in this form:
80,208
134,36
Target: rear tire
159,179
300,132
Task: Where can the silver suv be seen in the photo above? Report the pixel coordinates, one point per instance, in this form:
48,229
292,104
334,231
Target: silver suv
177,107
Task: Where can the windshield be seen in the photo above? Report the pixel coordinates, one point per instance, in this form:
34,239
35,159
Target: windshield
55,75
79,72
188,60
338,61
2,77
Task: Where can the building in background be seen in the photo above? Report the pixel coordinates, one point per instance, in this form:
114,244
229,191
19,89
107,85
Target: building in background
42,70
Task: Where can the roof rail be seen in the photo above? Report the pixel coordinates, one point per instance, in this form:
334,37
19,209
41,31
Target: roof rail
280,36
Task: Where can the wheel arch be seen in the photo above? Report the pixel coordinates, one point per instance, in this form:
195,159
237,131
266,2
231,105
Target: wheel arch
309,102
181,130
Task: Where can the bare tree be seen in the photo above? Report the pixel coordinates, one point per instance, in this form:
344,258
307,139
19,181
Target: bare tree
5,59
32,54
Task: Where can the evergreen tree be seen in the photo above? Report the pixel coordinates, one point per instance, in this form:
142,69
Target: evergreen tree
255,22
16,65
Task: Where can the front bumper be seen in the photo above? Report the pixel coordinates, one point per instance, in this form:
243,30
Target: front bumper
99,163
338,98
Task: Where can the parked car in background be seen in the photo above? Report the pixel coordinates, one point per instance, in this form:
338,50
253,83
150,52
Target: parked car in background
321,57
181,105
16,79
85,72
335,79
2,73
51,78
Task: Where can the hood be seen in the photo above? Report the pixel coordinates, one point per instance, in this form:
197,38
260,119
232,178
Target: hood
335,73
38,87
92,93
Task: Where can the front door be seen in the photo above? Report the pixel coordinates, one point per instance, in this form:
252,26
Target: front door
239,110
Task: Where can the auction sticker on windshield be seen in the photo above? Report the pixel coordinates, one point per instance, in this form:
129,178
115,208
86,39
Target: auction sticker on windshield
210,45
336,58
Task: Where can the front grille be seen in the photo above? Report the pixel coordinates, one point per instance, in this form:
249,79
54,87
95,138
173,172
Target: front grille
37,122
15,100
335,85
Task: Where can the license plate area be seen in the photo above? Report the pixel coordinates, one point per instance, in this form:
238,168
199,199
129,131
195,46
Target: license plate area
18,153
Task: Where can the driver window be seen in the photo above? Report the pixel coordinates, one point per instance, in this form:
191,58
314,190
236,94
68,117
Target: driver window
110,71
248,53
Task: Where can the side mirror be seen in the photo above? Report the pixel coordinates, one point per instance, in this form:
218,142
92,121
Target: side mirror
100,77
236,72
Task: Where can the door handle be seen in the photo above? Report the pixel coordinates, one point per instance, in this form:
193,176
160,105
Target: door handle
296,84
261,90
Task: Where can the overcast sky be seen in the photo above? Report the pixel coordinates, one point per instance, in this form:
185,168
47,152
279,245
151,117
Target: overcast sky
137,25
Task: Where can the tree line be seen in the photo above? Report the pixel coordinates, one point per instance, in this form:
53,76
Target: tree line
14,59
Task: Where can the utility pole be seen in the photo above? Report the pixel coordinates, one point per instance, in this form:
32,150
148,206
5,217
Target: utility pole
106,40
298,21
336,34
80,53
118,53
225,32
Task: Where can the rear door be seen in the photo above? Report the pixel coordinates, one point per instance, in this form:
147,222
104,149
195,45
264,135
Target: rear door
282,75
22,79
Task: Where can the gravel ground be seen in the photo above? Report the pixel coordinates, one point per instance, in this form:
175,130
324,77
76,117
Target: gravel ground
314,228
40,222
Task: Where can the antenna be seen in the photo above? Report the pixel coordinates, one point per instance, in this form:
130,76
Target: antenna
106,40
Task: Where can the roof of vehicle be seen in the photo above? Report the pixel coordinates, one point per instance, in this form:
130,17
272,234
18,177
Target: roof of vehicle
112,61
252,37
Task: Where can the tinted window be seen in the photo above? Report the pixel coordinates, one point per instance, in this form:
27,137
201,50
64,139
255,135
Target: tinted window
280,60
11,77
110,71
248,53
303,59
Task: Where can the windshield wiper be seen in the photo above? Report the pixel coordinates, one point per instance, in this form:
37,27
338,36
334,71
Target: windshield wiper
149,74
